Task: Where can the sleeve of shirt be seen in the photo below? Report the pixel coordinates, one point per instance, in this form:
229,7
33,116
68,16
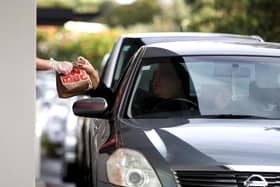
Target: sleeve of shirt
103,91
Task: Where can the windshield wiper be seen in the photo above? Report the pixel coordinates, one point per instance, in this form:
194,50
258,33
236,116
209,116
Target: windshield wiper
232,116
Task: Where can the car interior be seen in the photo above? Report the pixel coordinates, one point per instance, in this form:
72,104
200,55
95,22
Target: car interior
186,102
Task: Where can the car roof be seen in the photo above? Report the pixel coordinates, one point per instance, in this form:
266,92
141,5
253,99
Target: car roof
154,37
183,48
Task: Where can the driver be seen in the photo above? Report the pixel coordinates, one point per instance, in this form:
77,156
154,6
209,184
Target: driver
165,83
169,90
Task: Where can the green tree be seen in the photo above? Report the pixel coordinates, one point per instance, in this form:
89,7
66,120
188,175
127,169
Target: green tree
254,17
56,3
65,45
141,11
76,5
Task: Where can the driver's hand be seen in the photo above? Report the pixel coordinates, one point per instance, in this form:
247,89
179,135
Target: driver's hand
83,63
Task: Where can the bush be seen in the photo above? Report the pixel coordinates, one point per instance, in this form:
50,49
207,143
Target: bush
61,44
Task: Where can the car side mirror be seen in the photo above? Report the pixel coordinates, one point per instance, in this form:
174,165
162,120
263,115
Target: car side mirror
92,107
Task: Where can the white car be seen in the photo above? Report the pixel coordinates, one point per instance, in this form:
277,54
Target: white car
127,44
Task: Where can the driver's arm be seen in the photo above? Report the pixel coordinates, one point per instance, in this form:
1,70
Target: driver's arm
99,88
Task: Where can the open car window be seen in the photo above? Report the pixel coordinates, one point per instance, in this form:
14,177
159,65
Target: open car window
206,86
127,50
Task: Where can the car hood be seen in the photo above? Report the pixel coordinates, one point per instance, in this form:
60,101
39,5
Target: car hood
200,143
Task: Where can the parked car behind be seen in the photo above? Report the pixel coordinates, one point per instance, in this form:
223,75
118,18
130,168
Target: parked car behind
70,143
56,125
127,44
188,114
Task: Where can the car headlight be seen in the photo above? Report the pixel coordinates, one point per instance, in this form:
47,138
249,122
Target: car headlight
126,167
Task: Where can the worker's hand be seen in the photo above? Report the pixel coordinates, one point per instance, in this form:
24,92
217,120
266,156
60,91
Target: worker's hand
83,63
63,67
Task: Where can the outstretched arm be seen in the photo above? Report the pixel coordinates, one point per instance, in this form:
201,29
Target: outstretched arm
58,66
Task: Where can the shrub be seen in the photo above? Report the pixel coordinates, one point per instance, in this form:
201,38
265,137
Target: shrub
61,44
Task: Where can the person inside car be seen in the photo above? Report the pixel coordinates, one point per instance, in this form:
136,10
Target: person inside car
169,90
165,83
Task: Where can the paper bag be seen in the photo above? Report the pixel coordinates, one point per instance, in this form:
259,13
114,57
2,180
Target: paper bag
74,83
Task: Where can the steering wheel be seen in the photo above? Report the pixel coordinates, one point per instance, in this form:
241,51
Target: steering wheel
174,104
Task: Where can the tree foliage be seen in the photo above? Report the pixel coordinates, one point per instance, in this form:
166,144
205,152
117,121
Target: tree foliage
56,3
65,45
141,11
254,17
76,5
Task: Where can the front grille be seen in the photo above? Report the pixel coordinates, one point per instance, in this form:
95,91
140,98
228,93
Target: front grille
221,179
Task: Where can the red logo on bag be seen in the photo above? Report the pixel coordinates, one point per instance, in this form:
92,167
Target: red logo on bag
75,75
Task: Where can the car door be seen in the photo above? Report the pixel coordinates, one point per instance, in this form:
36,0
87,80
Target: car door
101,132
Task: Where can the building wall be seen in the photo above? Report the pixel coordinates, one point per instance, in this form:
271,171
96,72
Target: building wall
17,95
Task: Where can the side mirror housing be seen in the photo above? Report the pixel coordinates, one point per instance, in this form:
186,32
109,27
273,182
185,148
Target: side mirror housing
92,107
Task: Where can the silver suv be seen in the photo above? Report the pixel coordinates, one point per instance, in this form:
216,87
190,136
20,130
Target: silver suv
128,44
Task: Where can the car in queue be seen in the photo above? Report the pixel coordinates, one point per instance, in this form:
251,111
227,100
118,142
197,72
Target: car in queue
127,44
196,113
115,62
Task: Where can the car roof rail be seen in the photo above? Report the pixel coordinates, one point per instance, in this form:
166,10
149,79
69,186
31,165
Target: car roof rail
258,38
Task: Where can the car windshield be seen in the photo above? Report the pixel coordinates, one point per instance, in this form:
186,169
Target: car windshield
207,87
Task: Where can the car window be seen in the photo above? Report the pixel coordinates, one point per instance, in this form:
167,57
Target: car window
128,48
208,85
162,86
